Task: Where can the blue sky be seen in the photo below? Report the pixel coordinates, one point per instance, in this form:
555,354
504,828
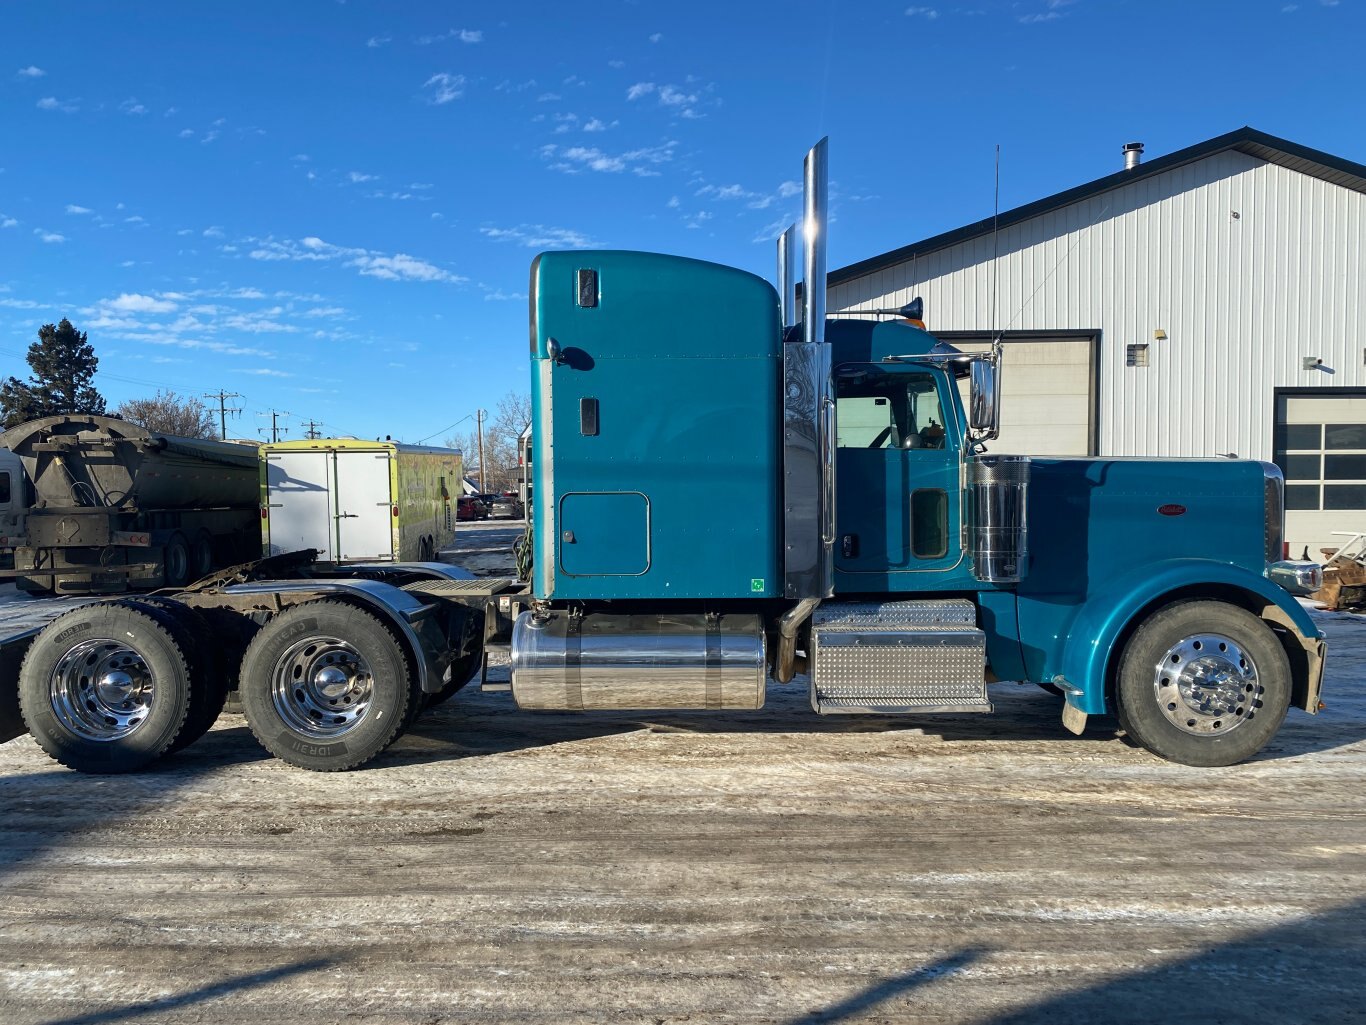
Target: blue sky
331,207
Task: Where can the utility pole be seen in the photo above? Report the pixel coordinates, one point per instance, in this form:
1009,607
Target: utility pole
275,429
224,409
479,415
312,433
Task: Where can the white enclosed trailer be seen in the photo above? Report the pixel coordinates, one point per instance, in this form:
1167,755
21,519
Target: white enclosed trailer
358,501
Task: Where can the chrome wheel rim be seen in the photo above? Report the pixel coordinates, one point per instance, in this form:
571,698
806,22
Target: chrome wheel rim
1207,685
322,687
102,689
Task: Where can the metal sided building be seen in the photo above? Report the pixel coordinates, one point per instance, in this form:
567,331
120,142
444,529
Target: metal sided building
1206,302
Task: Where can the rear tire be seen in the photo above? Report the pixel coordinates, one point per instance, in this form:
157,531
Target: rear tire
1203,683
105,688
325,686
176,561
463,670
204,656
201,556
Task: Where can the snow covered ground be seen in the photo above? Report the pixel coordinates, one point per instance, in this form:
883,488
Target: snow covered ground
499,866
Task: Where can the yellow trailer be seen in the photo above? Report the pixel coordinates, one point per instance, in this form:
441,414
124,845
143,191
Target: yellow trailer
358,501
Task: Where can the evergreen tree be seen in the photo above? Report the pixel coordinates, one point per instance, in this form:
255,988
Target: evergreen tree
63,365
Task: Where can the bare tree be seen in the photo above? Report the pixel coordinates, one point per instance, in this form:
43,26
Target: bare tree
512,417
169,413
500,471
501,432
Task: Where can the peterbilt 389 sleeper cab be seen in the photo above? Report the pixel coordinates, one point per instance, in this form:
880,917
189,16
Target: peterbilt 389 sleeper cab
872,549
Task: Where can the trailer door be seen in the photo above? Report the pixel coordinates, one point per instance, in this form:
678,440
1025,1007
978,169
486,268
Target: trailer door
365,522
299,502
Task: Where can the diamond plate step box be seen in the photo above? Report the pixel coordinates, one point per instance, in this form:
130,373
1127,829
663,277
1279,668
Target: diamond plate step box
898,657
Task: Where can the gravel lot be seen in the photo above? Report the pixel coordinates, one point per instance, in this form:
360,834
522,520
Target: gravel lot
498,866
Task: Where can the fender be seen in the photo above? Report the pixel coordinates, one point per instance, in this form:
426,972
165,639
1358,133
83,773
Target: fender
1092,639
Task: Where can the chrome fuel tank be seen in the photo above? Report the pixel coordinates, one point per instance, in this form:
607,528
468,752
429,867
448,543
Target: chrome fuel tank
607,662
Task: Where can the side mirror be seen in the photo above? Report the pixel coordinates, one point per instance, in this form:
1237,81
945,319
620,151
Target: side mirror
984,400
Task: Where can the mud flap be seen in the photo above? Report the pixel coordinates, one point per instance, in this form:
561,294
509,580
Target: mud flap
1306,664
11,722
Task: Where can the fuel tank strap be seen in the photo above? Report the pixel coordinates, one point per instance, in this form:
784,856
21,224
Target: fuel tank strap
573,664
713,661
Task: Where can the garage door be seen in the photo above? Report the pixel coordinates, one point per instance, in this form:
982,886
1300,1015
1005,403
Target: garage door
1321,449
1046,397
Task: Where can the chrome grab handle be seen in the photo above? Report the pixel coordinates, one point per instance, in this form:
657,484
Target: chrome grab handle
828,473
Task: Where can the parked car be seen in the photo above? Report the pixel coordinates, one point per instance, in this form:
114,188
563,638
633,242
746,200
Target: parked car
505,506
468,507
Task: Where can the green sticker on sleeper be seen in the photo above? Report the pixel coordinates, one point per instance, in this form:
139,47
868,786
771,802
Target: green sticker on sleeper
756,584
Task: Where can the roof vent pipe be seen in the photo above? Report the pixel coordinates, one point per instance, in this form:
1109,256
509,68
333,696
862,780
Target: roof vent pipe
1133,155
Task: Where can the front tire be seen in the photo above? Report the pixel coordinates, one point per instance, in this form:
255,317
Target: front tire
1203,683
325,686
105,688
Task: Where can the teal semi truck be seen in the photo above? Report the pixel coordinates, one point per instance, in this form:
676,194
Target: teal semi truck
872,547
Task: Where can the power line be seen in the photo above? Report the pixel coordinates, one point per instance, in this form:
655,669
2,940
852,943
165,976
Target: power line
311,432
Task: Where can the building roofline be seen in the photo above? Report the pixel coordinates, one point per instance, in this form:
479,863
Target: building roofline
1245,140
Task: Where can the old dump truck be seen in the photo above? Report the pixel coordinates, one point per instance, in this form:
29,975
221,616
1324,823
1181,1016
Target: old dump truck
106,506
873,548
358,501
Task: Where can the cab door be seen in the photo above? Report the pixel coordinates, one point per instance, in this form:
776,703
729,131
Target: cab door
897,479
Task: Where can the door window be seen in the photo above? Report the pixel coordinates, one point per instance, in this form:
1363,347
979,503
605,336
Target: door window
4,488
888,411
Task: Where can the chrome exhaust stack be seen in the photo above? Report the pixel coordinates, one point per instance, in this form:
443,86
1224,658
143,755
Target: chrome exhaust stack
809,414
787,277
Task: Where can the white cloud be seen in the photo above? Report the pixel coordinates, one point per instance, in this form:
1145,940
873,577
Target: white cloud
72,208
266,372
357,177
465,35
1034,19
375,42
538,236
398,267
213,231
133,302
52,103
210,136
547,97
49,236
673,203
132,106
788,189
656,37
20,304
8,222
498,295
672,97
401,267
31,72
597,125
444,88
640,89
573,159
928,13
187,133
